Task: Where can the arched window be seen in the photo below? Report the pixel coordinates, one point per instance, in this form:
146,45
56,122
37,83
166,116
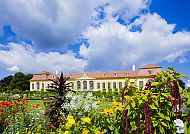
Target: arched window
141,83
150,80
109,85
114,85
91,83
42,85
120,85
78,85
103,85
32,86
98,85
38,86
85,85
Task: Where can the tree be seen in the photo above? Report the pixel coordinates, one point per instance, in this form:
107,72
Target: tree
20,81
6,81
28,78
182,84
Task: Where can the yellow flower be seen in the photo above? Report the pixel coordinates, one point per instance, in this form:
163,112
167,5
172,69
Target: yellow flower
119,107
114,103
70,122
107,111
69,117
98,132
84,131
86,120
66,132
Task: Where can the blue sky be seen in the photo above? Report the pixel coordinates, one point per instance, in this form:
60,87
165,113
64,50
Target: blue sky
105,35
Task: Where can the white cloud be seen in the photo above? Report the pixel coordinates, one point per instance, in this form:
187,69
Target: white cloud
25,58
114,46
125,9
51,24
13,68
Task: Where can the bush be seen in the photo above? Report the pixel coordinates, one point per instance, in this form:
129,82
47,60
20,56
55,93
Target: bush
16,91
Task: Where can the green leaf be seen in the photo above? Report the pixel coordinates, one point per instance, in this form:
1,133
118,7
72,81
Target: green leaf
182,76
164,124
180,89
165,94
133,104
161,115
155,124
167,118
153,107
140,101
155,83
156,102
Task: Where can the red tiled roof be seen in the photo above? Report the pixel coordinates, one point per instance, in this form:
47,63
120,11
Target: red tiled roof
143,72
150,66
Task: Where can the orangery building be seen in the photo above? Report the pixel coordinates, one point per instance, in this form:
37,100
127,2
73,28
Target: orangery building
94,81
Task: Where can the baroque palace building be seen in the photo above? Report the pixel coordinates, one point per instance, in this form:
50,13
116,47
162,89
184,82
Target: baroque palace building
97,81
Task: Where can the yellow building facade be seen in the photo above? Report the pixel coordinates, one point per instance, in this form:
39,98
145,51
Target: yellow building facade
97,81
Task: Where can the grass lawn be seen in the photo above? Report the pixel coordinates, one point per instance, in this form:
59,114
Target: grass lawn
33,102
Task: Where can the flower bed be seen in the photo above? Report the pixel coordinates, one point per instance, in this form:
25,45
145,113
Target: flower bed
152,110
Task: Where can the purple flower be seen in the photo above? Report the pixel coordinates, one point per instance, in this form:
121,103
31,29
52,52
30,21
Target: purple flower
147,118
123,95
138,127
188,118
148,86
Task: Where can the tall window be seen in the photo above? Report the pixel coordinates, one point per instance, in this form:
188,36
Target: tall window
103,85
38,86
72,84
150,71
98,85
78,85
48,86
42,85
150,80
109,85
84,84
114,85
126,84
131,83
141,84
120,85
91,83
32,86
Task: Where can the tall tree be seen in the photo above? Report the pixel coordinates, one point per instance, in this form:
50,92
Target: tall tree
182,84
28,78
19,81
6,81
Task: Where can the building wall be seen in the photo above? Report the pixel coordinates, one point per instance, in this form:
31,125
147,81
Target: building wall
38,85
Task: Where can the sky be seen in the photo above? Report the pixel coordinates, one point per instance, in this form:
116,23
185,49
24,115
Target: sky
99,35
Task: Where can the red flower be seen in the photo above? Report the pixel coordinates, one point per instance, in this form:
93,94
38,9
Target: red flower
6,103
36,105
10,104
23,100
1,112
2,103
16,103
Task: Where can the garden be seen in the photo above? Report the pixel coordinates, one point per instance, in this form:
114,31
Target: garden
61,110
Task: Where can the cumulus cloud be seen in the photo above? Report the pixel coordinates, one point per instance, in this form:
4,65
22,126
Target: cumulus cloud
52,24
13,69
23,57
115,46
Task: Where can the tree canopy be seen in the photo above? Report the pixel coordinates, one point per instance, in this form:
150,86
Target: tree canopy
18,81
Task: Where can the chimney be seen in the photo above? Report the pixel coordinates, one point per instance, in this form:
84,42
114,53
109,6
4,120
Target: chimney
56,72
188,83
133,67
